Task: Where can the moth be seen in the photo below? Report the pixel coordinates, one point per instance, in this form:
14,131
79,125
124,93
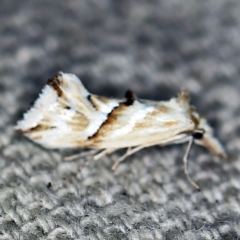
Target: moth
66,115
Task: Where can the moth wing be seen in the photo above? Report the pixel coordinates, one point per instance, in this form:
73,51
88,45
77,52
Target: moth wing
145,122
64,115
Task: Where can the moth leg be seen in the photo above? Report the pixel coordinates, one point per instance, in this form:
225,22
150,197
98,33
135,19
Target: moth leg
98,155
128,153
102,153
79,155
186,167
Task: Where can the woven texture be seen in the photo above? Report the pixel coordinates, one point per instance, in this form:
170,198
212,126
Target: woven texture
154,48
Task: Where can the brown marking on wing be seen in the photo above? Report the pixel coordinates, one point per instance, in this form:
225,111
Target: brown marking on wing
63,102
170,123
80,118
195,119
109,122
79,122
97,101
130,98
159,110
148,119
55,84
142,125
99,98
39,127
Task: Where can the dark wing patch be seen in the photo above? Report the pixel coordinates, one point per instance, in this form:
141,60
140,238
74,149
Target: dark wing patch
130,98
55,84
90,99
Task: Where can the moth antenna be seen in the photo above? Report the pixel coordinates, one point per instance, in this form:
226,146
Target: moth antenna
185,161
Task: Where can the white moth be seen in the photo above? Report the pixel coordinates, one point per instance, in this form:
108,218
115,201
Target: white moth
66,115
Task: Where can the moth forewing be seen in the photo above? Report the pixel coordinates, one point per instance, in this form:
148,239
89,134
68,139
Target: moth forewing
143,122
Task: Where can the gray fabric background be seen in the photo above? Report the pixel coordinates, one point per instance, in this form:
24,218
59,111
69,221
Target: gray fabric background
154,48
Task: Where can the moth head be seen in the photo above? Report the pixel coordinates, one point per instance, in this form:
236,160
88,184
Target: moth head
203,135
